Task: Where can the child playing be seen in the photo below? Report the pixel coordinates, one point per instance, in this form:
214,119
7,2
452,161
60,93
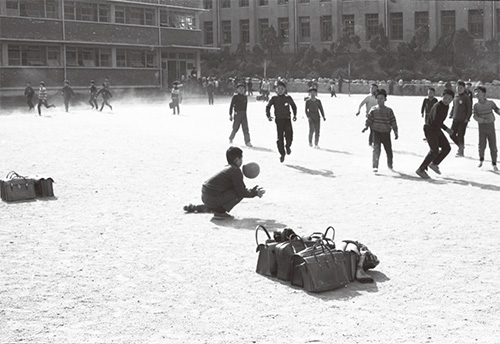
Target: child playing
67,93
106,94
239,104
369,101
42,98
313,110
93,95
284,128
174,96
226,189
428,103
331,88
29,93
483,114
381,120
438,143
461,113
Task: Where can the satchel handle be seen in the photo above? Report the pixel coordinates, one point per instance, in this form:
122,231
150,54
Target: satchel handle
13,174
296,238
323,246
326,232
257,232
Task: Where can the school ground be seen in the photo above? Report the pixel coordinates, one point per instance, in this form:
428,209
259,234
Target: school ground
114,259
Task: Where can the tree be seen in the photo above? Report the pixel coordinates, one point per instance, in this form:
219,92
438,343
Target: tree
271,43
463,48
380,41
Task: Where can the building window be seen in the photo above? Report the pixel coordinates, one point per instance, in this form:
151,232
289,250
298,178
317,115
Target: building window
476,19
120,14
51,9
263,2
33,55
498,22
207,4
104,13
263,27
12,7
71,57
104,57
178,19
282,2
226,32
396,26
69,10
245,31
32,8
421,20
85,12
283,27
121,58
371,25
304,29
53,56
225,4
243,3
326,28
304,1
209,32
447,22
348,23
14,52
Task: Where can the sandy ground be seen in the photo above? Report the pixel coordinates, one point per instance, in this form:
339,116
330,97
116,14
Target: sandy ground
116,260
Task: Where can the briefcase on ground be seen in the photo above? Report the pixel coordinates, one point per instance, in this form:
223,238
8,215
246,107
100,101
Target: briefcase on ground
44,188
17,188
266,262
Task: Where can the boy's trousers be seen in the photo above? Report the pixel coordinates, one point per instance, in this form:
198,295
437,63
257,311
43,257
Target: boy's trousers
487,132
314,127
435,139
285,133
379,139
458,135
227,200
240,119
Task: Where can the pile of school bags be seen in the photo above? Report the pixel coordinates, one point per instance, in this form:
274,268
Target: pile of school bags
15,187
315,262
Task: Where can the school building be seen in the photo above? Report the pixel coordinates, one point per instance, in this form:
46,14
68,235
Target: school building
135,43
302,23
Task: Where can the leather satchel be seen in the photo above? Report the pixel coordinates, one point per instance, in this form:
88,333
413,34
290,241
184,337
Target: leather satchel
318,236
319,268
284,253
44,188
17,188
266,262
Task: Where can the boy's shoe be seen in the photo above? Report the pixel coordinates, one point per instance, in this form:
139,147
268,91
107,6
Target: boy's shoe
310,144
480,164
375,170
190,208
435,168
288,150
230,141
282,158
248,144
222,216
422,174
495,168
316,146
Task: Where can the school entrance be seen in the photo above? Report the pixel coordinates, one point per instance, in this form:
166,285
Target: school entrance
176,66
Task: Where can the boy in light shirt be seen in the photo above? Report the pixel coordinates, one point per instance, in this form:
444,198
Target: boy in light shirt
483,114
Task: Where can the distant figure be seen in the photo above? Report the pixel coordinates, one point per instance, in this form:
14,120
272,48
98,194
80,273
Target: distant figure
249,87
341,81
391,87
42,98
381,120
448,86
67,93
93,95
29,93
106,83
175,97
468,91
331,88
265,89
210,91
369,101
428,103
194,73
106,95
313,110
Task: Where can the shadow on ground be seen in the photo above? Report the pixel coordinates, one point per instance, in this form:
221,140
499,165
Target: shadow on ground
441,181
323,173
249,223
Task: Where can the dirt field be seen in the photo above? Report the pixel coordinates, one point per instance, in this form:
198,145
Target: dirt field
116,260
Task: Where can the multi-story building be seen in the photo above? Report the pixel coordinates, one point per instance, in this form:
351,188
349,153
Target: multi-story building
318,23
136,43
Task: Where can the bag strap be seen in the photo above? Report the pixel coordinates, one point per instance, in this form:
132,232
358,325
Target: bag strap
323,246
257,232
326,233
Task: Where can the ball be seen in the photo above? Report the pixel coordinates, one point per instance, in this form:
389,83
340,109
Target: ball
251,170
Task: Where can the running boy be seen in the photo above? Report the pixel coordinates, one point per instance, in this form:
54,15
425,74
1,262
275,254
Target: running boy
313,110
29,93
483,114
284,128
226,189
369,101
106,94
381,120
461,113
438,143
93,95
67,93
42,98
239,104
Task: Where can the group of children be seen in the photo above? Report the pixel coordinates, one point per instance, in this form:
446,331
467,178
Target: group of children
67,93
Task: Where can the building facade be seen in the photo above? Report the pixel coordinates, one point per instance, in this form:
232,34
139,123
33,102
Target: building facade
302,23
135,43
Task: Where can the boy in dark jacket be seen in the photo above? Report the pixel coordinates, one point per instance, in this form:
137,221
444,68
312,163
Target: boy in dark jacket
225,189
438,143
93,95
239,104
67,93
106,94
29,93
282,104
461,113
313,110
